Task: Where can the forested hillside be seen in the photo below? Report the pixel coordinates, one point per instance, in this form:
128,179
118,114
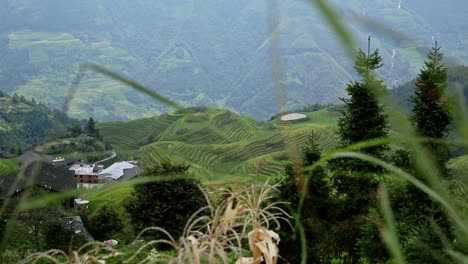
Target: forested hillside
24,123
215,53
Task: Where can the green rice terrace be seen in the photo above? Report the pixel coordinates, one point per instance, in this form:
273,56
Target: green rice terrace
43,49
8,166
459,167
217,143
222,147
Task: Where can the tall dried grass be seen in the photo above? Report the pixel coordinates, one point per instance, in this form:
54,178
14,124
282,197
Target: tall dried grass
214,234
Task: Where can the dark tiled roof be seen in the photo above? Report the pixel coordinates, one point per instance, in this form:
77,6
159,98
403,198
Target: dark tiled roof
39,173
31,156
5,154
66,162
28,157
69,162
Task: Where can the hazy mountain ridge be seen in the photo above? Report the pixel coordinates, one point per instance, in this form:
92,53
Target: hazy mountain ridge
214,53
457,85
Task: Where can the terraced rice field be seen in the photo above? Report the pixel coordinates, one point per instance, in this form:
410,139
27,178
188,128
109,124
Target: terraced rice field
219,142
459,168
222,147
131,135
459,183
116,195
8,166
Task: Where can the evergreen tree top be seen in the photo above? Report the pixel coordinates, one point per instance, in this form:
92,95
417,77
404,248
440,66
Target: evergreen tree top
364,118
433,71
366,62
430,113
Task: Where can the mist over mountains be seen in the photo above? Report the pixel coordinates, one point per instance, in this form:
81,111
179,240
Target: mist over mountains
210,52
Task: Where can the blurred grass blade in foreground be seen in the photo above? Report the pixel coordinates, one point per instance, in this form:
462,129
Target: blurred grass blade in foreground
120,78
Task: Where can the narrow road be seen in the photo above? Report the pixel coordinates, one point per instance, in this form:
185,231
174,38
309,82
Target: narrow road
113,155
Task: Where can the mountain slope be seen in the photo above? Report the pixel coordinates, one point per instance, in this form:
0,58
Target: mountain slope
217,143
212,52
457,84
8,166
25,123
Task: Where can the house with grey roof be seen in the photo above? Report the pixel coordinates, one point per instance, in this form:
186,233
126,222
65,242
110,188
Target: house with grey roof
5,153
40,174
119,171
30,156
60,161
86,174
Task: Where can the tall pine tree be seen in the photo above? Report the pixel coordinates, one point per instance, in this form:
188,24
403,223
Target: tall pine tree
316,207
418,213
363,119
354,180
430,113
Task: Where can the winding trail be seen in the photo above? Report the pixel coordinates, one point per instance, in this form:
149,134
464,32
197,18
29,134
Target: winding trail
113,155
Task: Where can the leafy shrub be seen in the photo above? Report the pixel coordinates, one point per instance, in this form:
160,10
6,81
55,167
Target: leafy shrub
168,202
104,223
57,236
281,156
82,144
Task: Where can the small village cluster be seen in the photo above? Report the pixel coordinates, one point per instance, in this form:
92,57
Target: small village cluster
60,175
90,175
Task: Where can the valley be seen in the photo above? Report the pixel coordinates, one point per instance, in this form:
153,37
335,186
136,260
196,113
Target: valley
221,131
209,53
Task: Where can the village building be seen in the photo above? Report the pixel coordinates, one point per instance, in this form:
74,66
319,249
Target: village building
293,117
119,171
67,163
86,173
39,175
30,156
5,153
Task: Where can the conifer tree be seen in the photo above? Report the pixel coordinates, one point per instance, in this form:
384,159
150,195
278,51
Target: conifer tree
354,180
430,114
315,210
90,127
92,130
431,119
363,119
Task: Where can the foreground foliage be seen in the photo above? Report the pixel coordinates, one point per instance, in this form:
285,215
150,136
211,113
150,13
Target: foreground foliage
168,203
241,225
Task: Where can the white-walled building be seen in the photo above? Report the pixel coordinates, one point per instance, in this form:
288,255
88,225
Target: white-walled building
119,170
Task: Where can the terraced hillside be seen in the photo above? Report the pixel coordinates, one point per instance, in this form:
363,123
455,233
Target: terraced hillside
459,183
8,166
211,52
459,168
219,143
25,123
